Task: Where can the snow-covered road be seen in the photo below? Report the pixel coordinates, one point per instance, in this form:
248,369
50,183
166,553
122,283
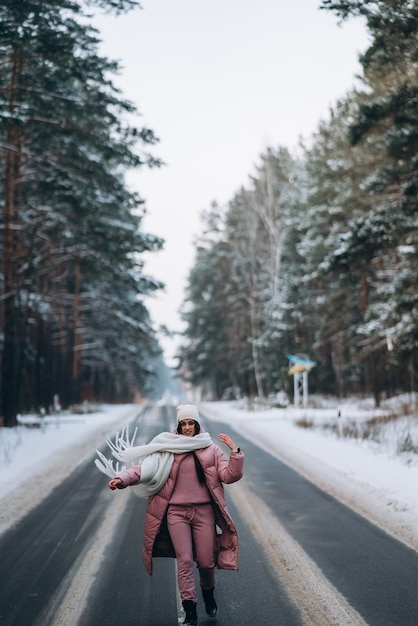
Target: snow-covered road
35,460
373,479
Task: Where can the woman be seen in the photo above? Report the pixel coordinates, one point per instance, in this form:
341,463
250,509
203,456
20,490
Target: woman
182,473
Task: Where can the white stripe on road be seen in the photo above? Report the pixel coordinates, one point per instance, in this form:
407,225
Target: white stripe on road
317,599
71,599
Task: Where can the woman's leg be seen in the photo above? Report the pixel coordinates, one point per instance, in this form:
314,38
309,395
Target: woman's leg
179,522
203,527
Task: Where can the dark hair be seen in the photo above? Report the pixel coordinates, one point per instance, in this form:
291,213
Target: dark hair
199,470
196,430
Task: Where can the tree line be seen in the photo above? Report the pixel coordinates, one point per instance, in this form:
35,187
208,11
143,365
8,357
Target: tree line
317,254
73,320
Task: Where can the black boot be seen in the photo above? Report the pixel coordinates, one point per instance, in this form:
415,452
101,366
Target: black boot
191,614
210,603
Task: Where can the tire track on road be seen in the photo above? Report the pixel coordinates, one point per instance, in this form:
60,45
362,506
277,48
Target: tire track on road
318,600
72,596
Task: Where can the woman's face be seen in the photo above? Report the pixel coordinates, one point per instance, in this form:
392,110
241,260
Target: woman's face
188,427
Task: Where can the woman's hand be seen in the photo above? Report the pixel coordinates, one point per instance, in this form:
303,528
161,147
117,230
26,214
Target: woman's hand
226,439
116,483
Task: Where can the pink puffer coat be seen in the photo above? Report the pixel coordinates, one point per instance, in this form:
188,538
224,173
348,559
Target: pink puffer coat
218,469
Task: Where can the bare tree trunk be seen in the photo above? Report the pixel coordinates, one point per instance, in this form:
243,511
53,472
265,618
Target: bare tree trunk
13,324
77,335
255,352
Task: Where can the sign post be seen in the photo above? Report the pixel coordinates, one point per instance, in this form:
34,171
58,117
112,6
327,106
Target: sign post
299,369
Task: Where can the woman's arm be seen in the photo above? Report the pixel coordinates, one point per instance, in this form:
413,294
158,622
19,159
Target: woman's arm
229,469
128,477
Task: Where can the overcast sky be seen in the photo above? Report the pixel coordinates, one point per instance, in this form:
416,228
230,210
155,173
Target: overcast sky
218,82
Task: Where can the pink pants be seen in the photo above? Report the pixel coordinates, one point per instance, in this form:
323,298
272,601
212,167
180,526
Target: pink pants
193,526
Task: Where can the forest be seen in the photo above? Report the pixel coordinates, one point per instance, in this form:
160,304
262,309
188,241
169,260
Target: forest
73,320
316,255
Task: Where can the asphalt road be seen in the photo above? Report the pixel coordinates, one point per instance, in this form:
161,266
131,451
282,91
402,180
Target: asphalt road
42,555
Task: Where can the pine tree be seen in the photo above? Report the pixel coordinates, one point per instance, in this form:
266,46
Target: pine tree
387,117
234,315
69,218
206,360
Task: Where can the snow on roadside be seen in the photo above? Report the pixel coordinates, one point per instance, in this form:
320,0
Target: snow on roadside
373,478
33,460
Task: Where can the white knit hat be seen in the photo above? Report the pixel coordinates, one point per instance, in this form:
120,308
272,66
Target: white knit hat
190,411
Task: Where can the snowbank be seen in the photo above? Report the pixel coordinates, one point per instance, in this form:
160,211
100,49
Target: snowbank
369,474
38,454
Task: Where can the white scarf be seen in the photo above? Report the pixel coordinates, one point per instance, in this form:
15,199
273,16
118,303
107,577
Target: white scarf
155,458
